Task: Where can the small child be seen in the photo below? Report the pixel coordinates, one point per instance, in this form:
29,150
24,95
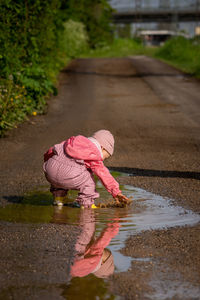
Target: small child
70,166
91,255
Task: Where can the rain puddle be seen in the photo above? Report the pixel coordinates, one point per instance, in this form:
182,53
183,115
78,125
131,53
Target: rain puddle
153,212
104,232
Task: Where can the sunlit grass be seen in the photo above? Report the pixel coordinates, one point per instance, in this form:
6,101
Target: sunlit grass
181,53
119,48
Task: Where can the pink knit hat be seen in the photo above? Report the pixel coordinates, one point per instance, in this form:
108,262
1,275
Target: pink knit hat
85,266
106,269
105,139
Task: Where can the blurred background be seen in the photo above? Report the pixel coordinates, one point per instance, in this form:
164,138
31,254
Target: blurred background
39,38
156,20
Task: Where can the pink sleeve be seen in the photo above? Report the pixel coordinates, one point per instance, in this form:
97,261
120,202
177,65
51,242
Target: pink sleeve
87,223
104,239
84,266
104,175
48,154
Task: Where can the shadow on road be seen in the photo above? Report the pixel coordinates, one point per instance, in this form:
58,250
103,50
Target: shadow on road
157,173
44,198
32,198
135,75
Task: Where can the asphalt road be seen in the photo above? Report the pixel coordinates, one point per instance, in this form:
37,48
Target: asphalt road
153,110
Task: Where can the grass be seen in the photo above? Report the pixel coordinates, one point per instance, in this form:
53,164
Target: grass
181,53
119,48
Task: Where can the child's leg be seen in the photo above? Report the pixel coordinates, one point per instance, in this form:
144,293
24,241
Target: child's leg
58,195
88,192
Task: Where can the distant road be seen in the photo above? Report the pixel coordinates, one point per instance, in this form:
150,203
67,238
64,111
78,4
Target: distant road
171,85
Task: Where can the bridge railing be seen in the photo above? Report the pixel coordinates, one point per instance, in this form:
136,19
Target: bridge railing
142,7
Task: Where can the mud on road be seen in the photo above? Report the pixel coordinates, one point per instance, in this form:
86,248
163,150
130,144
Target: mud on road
153,110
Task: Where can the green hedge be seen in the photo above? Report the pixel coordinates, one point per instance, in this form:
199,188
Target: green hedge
96,16
120,47
37,39
30,57
183,53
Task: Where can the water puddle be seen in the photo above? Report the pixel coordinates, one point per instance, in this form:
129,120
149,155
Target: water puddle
156,213
104,232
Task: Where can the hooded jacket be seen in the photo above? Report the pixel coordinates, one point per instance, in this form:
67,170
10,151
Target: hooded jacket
83,149
92,252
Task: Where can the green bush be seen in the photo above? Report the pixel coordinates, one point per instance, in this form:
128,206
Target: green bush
37,40
30,57
75,38
183,53
118,48
95,15
14,104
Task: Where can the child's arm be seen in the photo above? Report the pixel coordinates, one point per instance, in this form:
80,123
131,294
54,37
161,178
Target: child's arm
107,179
122,198
48,154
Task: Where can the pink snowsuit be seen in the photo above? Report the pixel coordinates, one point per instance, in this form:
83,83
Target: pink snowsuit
89,250
70,164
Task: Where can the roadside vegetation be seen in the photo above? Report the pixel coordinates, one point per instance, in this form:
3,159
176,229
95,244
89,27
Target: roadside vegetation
38,38
182,53
118,48
178,51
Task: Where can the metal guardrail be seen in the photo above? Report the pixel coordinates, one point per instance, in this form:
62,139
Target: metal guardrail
160,6
135,10
155,16
152,10
160,9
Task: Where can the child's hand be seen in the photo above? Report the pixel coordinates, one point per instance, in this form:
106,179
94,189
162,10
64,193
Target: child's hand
122,198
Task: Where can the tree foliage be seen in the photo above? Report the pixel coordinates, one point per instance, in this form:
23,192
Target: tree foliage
29,32
95,15
35,42
75,39
183,53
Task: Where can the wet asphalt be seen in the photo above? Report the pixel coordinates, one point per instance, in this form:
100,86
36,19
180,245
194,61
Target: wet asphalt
153,111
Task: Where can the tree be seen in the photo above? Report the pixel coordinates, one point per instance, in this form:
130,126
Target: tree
96,16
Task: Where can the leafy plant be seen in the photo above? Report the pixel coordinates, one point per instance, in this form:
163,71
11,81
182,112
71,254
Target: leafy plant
37,39
118,48
183,53
95,15
75,38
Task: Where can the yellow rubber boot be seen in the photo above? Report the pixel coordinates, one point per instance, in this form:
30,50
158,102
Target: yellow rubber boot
92,206
59,201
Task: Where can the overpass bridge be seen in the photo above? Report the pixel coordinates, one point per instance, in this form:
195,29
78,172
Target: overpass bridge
164,11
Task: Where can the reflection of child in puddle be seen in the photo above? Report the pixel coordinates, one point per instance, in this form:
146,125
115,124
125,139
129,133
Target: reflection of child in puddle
92,256
71,164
